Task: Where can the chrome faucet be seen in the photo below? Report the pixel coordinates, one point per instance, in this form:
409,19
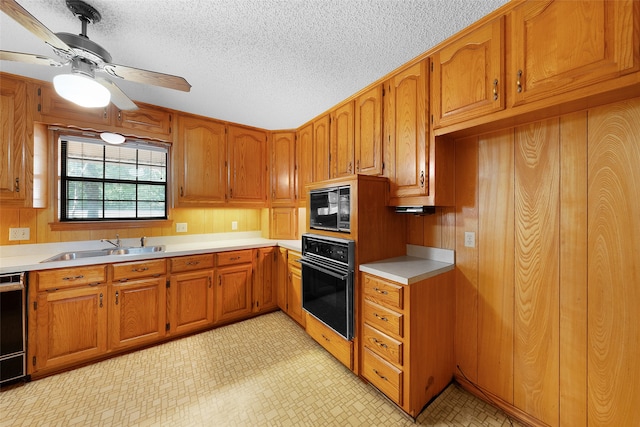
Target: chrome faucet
143,241
116,244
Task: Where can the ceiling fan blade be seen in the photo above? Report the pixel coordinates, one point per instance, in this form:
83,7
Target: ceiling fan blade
147,77
24,18
118,97
28,58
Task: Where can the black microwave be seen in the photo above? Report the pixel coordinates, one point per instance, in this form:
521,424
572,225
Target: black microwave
330,209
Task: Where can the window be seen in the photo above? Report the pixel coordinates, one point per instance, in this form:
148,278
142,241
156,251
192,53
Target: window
99,181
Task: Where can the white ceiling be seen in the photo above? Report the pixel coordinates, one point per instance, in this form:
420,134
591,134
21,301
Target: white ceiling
273,64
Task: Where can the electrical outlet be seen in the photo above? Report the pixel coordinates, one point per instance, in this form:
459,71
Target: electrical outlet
234,225
470,239
181,227
19,233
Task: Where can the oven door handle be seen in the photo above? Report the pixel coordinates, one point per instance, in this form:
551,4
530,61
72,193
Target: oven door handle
335,274
11,287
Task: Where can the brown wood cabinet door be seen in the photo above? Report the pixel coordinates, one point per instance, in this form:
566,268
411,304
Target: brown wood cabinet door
283,168
71,326
368,132
13,96
284,223
294,294
342,143
247,162
558,46
321,158
283,278
190,301
406,131
233,295
201,162
304,146
146,120
57,110
138,312
468,76
265,294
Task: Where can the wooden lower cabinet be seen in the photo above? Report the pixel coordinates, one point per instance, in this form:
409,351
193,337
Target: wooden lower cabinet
191,295
265,292
234,286
294,289
407,338
335,344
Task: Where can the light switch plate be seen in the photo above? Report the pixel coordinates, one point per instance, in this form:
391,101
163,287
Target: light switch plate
234,225
469,239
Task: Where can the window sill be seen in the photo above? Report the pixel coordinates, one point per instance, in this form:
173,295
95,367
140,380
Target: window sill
108,225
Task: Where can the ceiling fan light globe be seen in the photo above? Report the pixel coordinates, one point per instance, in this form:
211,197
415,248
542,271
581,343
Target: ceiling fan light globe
81,90
112,138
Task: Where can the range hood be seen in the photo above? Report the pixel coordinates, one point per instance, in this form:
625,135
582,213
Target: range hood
416,210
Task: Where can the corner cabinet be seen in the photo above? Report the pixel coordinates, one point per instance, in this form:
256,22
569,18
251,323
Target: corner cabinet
247,166
283,169
558,46
468,76
201,162
406,132
265,292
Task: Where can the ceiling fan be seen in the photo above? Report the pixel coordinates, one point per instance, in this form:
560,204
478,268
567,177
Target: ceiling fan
82,86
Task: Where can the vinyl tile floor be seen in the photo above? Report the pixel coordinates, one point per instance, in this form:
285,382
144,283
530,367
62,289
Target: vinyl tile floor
265,371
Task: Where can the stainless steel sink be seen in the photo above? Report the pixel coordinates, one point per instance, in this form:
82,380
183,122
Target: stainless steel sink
68,256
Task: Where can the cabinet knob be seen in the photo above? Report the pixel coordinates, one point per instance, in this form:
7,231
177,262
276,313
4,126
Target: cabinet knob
519,82
17,186
100,300
381,291
495,90
422,179
117,295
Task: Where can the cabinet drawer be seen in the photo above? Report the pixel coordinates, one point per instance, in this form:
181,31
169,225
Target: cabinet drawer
384,376
383,292
383,319
335,344
71,277
235,257
133,270
383,345
192,262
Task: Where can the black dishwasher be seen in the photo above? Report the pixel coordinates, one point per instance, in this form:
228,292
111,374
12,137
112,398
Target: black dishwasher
12,328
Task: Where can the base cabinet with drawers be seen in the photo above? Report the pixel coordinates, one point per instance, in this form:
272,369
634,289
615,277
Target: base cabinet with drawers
407,344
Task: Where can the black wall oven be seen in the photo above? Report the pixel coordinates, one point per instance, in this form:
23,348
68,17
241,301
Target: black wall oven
327,281
12,328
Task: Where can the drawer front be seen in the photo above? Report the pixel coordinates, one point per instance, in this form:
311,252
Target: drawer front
383,292
71,277
235,257
192,262
383,345
384,376
383,319
335,344
133,270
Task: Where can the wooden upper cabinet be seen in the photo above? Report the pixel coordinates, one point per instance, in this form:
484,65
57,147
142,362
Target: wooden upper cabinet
368,132
342,144
305,161
13,95
247,166
558,46
57,110
283,168
145,121
200,155
406,131
321,158
468,76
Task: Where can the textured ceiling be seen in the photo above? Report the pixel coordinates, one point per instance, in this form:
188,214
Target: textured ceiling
273,64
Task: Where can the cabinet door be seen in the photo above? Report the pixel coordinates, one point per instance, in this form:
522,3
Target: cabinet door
283,278
305,161
342,144
265,295
406,132
13,96
247,161
71,326
553,50
284,223
468,76
233,293
201,162
368,132
145,121
321,159
283,168
294,291
190,301
57,110
138,312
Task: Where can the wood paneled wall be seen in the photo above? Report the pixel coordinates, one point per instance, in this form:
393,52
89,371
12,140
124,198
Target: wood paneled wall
547,317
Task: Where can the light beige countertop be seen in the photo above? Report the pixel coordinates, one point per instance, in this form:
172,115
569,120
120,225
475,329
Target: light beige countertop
19,258
419,264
